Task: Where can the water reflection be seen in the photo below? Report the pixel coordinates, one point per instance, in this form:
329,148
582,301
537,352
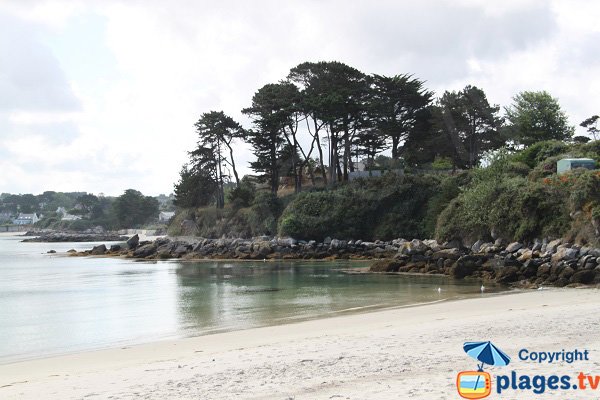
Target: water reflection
217,296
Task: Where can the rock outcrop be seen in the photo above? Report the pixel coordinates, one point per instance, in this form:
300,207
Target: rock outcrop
540,263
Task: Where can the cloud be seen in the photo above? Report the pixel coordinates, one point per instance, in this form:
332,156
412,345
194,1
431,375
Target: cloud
31,78
110,89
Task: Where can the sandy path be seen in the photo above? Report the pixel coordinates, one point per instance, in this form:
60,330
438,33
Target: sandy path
393,354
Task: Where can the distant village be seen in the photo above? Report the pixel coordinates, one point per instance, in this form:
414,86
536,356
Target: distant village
78,210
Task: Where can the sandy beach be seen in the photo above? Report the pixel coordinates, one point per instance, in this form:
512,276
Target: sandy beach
402,353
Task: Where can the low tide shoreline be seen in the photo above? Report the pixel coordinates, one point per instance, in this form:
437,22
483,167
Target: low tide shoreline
393,353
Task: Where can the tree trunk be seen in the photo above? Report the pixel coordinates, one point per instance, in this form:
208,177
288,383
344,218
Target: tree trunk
220,194
320,148
237,179
274,169
395,142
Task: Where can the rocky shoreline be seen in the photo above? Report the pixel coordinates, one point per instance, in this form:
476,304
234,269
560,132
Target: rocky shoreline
543,263
53,237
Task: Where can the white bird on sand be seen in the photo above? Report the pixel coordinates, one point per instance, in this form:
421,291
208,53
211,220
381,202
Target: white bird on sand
540,288
482,288
439,290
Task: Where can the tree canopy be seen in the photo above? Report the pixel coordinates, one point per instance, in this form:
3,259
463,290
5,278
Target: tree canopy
326,116
535,117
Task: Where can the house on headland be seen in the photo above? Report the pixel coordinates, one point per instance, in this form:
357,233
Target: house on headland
26,219
65,216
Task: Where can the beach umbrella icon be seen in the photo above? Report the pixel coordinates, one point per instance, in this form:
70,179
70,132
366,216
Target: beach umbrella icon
486,353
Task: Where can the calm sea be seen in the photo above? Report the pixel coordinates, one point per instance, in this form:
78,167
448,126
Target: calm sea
53,304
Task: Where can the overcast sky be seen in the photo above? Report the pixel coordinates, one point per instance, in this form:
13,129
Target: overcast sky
101,96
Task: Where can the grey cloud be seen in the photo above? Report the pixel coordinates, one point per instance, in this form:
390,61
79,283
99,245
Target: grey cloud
436,39
31,78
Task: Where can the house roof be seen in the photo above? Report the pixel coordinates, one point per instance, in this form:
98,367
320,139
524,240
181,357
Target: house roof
27,216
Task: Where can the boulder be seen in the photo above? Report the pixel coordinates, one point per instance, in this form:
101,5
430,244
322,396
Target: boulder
415,246
500,242
594,252
451,254
98,250
465,266
115,247
553,245
181,250
453,244
527,255
51,251
145,251
507,275
386,265
133,241
514,246
567,273
585,277
335,244
564,253
477,246
544,270
432,244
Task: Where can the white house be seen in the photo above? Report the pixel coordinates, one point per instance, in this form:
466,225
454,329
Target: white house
65,216
165,216
26,219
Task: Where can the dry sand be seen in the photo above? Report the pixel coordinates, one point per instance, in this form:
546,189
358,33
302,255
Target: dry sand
403,353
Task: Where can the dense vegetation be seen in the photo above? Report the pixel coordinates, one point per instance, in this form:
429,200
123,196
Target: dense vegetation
457,167
517,197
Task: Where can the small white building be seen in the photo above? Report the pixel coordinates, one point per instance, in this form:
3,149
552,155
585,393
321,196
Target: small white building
165,216
65,216
26,219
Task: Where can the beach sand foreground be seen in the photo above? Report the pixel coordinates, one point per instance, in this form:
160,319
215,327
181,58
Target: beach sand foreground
403,353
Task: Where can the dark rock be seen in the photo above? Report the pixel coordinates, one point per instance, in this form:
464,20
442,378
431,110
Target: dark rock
511,248
133,241
115,247
465,266
566,273
477,246
553,245
500,242
507,275
386,265
453,244
585,277
51,251
451,254
144,251
98,250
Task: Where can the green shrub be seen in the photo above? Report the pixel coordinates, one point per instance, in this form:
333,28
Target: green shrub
242,195
376,208
264,213
513,208
442,163
540,151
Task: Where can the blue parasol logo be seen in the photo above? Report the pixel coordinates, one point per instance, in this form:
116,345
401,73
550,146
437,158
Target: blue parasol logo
478,384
